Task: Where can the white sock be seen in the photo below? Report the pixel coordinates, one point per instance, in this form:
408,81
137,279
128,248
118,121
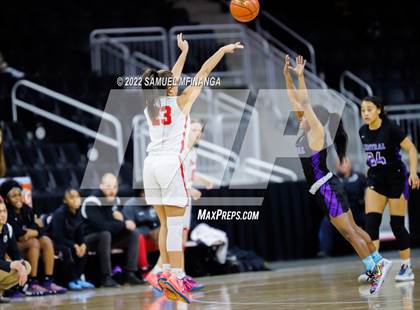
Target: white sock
166,267
178,272
156,269
406,262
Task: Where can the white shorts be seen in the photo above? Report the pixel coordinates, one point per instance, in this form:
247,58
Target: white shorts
163,179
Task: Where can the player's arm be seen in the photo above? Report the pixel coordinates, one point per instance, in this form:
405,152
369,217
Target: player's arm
179,65
203,180
410,148
291,89
316,132
190,94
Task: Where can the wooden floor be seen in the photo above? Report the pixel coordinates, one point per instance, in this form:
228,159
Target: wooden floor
323,284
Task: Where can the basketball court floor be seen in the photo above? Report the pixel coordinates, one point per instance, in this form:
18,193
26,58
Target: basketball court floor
309,284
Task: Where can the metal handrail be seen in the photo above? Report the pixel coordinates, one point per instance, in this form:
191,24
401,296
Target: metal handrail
97,36
117,142
264,170
312,63
349,75
149,60
403,107
96,51
225,31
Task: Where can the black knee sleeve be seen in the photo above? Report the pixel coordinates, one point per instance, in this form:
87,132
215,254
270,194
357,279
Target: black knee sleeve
373,221
400,232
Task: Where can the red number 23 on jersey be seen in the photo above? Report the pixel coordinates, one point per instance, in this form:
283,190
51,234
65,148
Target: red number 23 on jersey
165,116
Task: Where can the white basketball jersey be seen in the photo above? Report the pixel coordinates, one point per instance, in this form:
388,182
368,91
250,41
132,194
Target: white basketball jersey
169,130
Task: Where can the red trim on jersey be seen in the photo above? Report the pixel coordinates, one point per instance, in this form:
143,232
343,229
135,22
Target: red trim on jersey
183,177
180,161
183,135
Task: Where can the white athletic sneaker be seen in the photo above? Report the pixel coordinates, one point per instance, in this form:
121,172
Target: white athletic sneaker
405,274
363,278
378,275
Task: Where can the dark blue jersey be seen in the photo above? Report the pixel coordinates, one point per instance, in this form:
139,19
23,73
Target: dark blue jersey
314,163
382,147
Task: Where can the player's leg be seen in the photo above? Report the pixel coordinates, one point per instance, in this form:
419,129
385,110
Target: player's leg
362,233
175,281
374,205
376,271
343,224
398,210
374,253
163,262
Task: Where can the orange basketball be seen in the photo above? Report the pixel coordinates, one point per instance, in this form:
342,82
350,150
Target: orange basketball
244,10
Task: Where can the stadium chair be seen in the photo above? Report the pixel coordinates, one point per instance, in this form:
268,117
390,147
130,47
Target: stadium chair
30,155
51,154
63,178
41,180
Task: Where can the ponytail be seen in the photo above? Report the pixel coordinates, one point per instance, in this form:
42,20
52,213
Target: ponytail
340,138
151,94
155,87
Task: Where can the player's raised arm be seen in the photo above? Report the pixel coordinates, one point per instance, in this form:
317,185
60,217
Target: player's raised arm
179,65
190,94
291,89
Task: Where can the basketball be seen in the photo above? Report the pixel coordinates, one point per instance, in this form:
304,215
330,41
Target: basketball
244,10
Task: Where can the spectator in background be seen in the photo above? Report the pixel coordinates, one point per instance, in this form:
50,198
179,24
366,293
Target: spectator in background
146,220
2,159
15,271
354,186
106,227
144,216
30,241
68,236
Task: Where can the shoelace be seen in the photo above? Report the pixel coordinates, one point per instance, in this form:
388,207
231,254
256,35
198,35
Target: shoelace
403,269
188,284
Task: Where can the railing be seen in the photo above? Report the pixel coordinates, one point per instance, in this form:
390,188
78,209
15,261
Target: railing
408,117
236,111
359,84
204,40
139,62
266,17
268,172
108,56
147,40
116,142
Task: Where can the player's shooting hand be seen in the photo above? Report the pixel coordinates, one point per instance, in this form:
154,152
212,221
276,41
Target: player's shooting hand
230,48
299,69
182,44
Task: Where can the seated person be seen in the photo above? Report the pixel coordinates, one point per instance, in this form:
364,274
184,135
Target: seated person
68,235
11,272
106,227
31,242
146,220
144,216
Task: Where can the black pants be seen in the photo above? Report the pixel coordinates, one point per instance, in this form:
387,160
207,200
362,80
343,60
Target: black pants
74,264
102,242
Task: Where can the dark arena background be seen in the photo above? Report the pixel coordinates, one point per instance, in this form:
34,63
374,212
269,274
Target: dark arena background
69,76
